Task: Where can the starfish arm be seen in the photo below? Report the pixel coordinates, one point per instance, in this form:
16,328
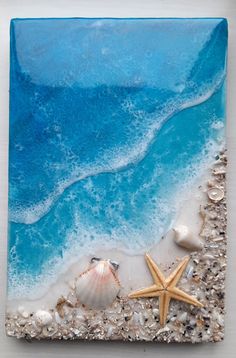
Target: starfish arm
180,295
164,301
157,275
152,291
175,276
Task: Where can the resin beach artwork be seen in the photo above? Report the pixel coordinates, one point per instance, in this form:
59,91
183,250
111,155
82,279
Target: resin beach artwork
117,163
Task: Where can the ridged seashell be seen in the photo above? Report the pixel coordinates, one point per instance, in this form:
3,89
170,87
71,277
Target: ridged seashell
98,286
184,238
215,194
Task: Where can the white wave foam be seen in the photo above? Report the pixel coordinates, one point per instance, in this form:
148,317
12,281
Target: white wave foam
122,158
25,286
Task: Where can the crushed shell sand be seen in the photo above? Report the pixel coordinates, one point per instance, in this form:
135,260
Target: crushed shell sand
138,319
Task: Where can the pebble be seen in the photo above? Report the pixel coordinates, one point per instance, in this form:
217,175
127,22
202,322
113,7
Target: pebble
110,331
192,322
21,309
183,317
22,322
207,257
57,317
219,318
189,271
164,329
138,319
25,314
218,239
49,331
80,318
155,312
43,318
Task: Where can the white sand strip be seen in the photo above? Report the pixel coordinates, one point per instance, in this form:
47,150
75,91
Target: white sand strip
133,272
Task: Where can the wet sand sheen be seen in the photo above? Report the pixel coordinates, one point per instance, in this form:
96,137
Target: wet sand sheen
133,272
139,319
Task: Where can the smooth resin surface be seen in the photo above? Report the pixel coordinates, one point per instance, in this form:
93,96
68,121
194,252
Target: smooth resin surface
112,123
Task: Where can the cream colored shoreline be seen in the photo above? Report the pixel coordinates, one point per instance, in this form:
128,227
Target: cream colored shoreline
133,272
56,317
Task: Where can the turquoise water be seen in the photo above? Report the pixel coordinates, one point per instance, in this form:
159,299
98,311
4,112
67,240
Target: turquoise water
109,121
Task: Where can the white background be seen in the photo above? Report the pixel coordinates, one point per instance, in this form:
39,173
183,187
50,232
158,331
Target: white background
10,347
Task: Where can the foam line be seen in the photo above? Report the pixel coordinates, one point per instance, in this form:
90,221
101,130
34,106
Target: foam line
34,213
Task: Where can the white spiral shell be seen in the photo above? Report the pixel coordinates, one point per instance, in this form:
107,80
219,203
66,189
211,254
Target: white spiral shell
185,238
98,286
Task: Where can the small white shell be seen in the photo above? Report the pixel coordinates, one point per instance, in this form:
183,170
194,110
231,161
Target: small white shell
98,286
183,317
21,309
184,238
43,318
25,314
215,194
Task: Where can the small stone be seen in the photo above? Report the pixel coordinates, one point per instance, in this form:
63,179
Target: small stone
190,270
136,318
58,318
21,309
43,318
25,314
71,299
218,239
219,318
155,312
183,317
219,171
80,318
110,331
192,322
210,183
49,331
22,322
162,330
207,257
141,319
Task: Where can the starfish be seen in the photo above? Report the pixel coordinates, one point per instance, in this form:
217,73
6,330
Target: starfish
165,288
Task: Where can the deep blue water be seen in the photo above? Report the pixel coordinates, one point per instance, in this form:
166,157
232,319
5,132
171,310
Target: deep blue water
109,121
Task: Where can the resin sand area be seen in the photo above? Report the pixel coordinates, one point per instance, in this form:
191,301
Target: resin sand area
138,319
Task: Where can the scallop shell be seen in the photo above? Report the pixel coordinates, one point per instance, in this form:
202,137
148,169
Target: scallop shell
98,286
215,194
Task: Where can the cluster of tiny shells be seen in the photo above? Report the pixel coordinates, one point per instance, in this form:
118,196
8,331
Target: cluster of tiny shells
138,319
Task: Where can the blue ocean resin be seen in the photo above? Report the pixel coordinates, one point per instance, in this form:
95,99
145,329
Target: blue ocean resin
113,122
